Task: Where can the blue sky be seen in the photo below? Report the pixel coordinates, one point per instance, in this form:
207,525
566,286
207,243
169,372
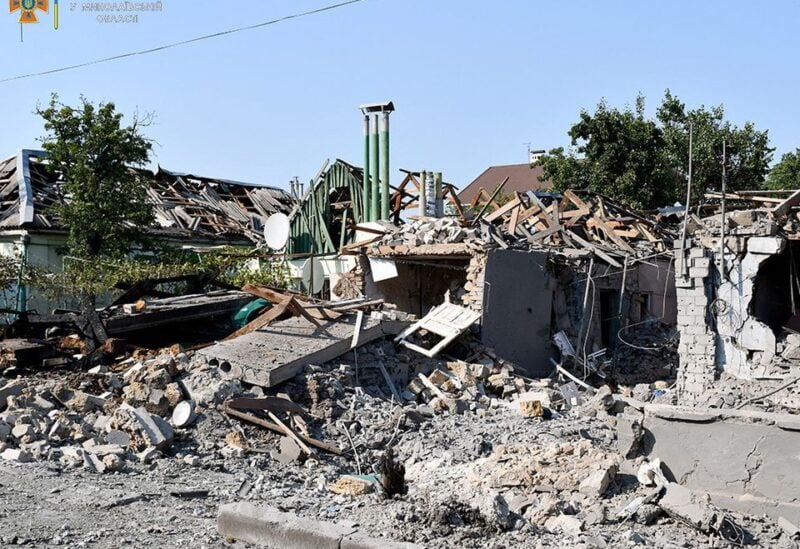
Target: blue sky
472,81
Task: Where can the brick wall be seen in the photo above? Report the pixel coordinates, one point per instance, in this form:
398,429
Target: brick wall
696,370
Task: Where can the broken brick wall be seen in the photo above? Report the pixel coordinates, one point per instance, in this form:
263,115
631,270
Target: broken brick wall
728,317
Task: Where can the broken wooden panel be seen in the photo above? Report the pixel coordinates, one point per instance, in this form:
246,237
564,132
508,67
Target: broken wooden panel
162,312
447,320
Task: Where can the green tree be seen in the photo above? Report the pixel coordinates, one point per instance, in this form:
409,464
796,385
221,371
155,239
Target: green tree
786,173
103,200
644,161
615,152
747,150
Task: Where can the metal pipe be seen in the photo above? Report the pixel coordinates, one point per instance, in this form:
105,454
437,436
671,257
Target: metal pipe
373,165
423,204
722,220
22,289
365,192
437,185
384,139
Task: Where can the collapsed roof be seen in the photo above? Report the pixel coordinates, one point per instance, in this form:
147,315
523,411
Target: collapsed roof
185,205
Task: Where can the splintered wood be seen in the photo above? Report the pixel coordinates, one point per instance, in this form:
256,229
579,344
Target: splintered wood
577,223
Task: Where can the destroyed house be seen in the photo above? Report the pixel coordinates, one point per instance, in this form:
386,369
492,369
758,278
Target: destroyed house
585,268
190,210
323,220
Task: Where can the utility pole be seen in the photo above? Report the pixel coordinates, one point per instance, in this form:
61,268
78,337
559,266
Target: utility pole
686,210
722,220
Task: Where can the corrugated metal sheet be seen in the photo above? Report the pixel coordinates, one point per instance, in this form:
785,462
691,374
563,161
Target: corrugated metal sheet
185,205
329,208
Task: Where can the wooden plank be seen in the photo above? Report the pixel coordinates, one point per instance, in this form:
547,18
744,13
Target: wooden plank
597,251
491,200
264,319
512,223
274,296
783,208
576,200
503,210
539,235
255,420
290,433
611,235
431,386
273,404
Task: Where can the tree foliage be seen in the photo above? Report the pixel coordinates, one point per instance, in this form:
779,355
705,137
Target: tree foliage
644,161
747,150
786,173
103,201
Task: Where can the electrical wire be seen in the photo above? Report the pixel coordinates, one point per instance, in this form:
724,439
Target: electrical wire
181,42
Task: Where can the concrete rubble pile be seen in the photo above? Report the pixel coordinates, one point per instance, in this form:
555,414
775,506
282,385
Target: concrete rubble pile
427,231
346,437
109,417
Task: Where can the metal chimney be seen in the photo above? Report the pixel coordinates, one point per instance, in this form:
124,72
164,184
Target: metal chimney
376,192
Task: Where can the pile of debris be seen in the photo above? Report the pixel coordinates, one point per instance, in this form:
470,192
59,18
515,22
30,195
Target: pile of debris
425,232
111,416
576,224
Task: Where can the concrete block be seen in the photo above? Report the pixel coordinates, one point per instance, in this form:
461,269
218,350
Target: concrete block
680,503
696,253
154,429
698,272
568,524
788,527
597,483
686,243
12,388
18,455
683,282
93,463
629,435
358,541
766,245
756,336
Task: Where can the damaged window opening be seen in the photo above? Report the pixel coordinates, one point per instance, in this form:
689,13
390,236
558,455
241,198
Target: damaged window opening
340,212
776,294
609,318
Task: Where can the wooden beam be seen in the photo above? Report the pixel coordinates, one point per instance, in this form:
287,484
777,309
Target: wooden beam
594,249
503,210
255,420
783,208
264,319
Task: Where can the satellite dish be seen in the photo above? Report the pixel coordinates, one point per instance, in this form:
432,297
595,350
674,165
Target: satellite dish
312,275
276,231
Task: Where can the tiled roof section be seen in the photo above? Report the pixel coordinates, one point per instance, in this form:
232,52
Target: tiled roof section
521,178
185,205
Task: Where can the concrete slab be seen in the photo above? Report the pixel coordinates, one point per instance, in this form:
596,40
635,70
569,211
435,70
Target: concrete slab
276,353
745,460
268,527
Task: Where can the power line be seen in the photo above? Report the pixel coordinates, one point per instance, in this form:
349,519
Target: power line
181,43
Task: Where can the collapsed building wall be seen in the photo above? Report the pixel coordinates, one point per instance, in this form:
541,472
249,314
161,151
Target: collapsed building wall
733,313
